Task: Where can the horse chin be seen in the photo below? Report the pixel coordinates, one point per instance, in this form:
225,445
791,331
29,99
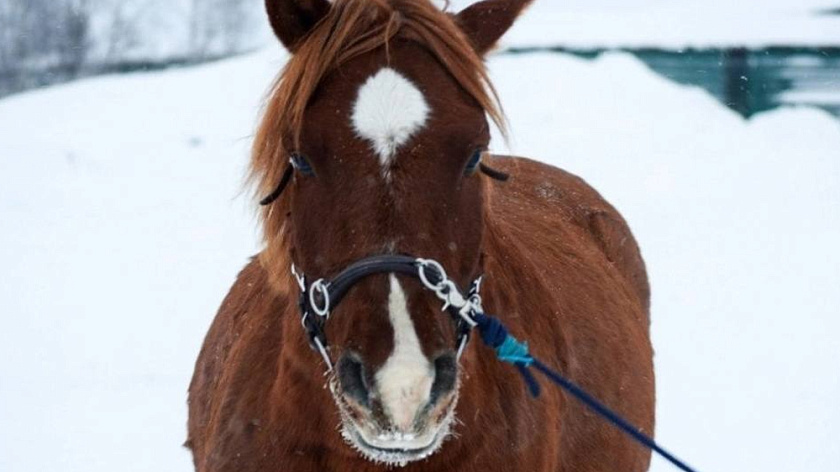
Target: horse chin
394,449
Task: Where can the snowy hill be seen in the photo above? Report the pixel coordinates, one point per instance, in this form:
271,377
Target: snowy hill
125,221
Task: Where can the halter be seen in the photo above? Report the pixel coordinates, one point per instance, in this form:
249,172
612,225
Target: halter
318,298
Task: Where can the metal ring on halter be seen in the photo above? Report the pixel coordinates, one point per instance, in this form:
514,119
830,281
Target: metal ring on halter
322,288
422,264
475,300
473,307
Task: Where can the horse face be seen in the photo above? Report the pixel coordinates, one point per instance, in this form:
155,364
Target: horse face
392,149
386,157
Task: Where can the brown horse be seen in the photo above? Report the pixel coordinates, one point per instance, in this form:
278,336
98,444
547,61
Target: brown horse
383,113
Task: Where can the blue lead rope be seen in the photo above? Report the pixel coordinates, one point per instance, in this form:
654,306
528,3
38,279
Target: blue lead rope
509,349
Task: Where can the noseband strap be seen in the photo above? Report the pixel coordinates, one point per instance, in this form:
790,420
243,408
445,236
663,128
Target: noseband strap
320,297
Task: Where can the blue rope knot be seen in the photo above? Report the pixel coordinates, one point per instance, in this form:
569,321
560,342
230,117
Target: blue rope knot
508,349
514,352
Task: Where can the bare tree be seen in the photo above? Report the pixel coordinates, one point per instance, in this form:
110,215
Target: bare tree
74,38
234,21
5,26
123,32
45,41
217,27
45,32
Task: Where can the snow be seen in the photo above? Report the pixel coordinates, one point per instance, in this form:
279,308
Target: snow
125,221
826,97
673,24
124,225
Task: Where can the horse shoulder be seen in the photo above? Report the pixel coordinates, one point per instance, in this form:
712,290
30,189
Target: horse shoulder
554,231
250,301
549,188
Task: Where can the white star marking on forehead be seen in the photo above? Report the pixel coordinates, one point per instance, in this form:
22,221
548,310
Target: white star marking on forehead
388,111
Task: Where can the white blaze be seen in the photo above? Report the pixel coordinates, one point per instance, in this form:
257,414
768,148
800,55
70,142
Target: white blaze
405,381
388,111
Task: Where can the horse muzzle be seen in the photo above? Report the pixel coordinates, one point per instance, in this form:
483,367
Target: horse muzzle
396,424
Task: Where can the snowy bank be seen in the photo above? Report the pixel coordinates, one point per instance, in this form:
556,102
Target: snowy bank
125,221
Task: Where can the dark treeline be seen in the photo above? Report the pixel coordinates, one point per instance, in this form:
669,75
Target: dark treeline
47,41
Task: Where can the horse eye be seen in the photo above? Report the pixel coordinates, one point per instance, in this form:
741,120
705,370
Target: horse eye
301,164
474,161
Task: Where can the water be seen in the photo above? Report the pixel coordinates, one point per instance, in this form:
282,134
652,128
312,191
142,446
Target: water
747,80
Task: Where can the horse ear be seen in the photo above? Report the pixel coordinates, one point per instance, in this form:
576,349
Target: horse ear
293,19
485,22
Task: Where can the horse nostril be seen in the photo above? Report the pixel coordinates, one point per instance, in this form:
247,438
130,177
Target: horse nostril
351,376
446,375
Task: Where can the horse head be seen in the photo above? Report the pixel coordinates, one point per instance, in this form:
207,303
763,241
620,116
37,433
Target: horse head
380,121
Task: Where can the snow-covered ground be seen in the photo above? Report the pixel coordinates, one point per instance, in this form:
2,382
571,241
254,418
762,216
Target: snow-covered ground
124,221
